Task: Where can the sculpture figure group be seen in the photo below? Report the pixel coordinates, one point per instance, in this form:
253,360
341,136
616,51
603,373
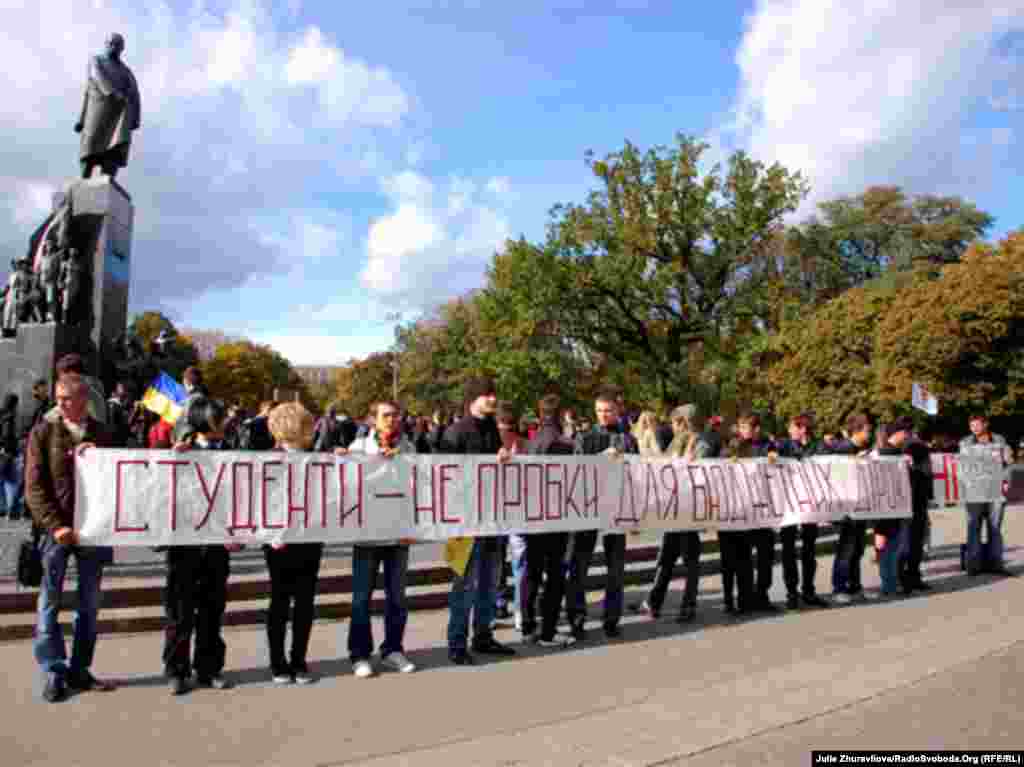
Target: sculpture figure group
49,294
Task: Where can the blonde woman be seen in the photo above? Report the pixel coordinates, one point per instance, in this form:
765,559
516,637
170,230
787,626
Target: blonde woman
645,431
689,444
294,567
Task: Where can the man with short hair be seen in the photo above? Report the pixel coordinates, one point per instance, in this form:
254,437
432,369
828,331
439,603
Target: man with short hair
545,551
476,433
606,438
987,557
192,380
846,575
762,539
53,447
800,445
119,413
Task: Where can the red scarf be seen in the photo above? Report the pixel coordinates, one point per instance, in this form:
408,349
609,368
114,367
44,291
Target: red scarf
388,441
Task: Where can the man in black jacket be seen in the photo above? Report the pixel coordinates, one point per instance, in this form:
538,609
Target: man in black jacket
846,580
545,551
607,438
475,434
800,445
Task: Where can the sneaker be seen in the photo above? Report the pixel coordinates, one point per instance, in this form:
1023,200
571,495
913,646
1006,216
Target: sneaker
491,646
519,620
179,685
578,631
558,640
283,678
362,669
398,662
303,676
792,602
842,598
612,630
687,614
813,600
55,690
215,682
502,613
84,681
460,658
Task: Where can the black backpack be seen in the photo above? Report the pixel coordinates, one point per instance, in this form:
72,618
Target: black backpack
30,561
254,434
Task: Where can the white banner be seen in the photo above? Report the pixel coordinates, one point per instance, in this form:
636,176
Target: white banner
973,476
159,498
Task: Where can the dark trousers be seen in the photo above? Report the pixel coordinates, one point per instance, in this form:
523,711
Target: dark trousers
293,574
763,542
850,551
791,574
674,545
737,567
544,555
194,600
910,564
615,562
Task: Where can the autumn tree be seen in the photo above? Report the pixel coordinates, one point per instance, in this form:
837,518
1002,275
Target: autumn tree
363,382
246,373
179,353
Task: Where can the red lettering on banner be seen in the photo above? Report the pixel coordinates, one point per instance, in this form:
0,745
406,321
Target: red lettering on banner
444,479
671,508
432,508
506,504
357,507
556,482
765,474
791,475
211,499
863,473
570,489
493,467
737,493
314,465
950,478
117,498
701,509
627,492
819,475
719,500
651,484
266,479
538,469
304,508
249,523
174,488
591,500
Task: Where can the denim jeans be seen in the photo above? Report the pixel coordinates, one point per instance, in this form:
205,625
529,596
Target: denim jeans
989,554
366,562
49,647
12,484
889,560
517,551
474,590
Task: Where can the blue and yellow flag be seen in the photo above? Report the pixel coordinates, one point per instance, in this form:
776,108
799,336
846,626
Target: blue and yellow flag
165,397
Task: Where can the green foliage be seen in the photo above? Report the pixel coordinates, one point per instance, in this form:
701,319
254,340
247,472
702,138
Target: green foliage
181,353
246,373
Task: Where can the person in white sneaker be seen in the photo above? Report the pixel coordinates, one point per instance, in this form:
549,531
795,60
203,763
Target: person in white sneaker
385,440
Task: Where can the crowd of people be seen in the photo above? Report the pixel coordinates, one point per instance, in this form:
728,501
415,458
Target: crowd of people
548,570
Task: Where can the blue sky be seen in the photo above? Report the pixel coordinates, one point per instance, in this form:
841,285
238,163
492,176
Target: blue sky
306,169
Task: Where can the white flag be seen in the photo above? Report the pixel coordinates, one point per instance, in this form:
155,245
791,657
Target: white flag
922,399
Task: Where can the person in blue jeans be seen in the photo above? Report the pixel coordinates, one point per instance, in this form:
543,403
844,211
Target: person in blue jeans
63,436
385,440
988,556
891,534
11,459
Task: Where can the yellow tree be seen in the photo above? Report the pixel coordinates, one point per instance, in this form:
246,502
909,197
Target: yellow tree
246,373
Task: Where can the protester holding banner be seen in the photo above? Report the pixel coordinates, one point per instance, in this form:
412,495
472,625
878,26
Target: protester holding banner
762,540
922,490
513,546
800,445
474,561
195,595
545,552
293,567
689,443
846,580
987,556
386,440
891,534
195,389
607,437
62,434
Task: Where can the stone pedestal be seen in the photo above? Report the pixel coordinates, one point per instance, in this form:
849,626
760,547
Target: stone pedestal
102,231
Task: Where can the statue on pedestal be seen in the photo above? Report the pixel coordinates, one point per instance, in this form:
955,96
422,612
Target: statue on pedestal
48,278
111,110
72,276
17,297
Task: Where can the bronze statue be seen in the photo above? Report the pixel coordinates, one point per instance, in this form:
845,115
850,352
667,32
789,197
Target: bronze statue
48,277
72,274
17,297
111,110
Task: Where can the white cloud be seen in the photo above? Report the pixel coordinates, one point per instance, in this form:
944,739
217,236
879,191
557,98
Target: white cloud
855,94
233,133
430,249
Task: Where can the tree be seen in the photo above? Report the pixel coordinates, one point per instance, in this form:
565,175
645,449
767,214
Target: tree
247,374
962,334
180,353
659,259
363,382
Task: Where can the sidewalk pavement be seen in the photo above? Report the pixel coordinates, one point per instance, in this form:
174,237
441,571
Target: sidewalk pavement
658,695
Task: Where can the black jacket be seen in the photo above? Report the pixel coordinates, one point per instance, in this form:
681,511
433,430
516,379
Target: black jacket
599,439
847,447
471,436
9,431
790,448
549,440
